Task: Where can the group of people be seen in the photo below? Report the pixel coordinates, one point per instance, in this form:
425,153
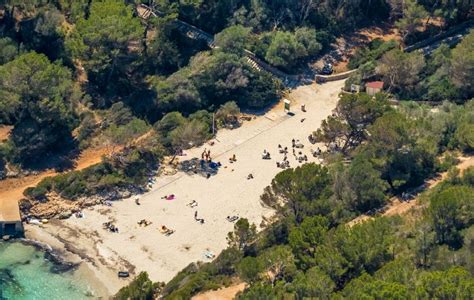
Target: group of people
110,227
206,155
144,222
266,155
298,154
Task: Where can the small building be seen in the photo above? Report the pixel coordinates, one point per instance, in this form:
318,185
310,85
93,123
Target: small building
10,219
373,87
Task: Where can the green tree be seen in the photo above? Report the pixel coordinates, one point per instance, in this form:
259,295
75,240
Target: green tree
279,263
367,186
346,129
308,38
285,50
394,151
104,43
462,66
8,50
313,284
300,192
366,287
44,33
162,51
36,97
233,39
439,84
141,288
450,210
177,92
190,134
305,238
244,233
249,269
228,113
454,283
413,14
167,124
424,243
74,10
400,70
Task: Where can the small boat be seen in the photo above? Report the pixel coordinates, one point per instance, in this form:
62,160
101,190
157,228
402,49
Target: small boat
123,274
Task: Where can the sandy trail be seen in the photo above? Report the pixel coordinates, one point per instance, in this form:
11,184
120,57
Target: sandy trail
222,293
398,207
5,132
11,189
228,193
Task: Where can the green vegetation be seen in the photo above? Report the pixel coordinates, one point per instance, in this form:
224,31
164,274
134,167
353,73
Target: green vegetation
75,74
35,97
98,53
446,74
141,288
128,170
311,252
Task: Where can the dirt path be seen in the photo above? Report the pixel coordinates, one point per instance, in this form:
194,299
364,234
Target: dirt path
11,189
221,294
399,207
5,132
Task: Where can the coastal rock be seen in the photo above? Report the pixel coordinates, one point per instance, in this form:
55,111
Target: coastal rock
126,194
64,214
60,208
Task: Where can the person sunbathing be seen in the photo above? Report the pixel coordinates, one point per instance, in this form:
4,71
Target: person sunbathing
232,219
192,204
166,231
168,197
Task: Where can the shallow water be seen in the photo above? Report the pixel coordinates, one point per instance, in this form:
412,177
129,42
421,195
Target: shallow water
25,273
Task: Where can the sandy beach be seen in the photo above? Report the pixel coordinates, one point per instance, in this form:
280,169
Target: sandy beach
135,248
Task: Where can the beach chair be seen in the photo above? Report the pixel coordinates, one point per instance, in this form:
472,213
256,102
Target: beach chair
192,204
208,254
232,219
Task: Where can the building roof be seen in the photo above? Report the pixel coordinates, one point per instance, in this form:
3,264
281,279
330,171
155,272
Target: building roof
375,84
9,211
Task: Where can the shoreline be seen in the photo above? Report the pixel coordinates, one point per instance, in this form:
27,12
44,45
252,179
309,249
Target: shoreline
58,253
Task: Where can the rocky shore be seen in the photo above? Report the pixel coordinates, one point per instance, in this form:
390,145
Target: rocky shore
59,208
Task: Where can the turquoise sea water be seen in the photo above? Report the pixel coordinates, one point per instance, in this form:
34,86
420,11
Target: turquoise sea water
26,274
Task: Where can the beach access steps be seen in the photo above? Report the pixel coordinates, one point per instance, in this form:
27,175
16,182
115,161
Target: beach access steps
195,33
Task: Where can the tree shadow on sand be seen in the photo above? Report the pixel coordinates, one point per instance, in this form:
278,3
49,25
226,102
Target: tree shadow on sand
200,167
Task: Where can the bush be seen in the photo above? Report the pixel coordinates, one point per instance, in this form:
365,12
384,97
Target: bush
374,51
141,288
125,170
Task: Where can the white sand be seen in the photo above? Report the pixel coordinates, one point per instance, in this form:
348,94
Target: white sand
228,193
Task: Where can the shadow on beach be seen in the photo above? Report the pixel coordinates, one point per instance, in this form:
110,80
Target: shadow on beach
199,166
